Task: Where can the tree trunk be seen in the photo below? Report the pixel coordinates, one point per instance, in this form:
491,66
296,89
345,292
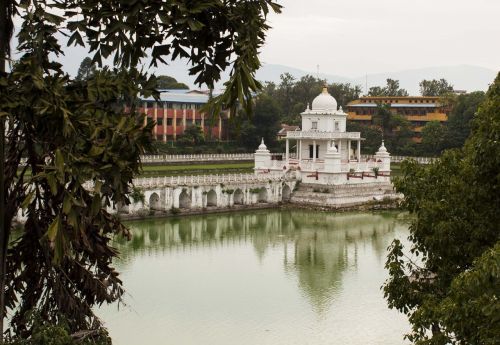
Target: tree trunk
4,37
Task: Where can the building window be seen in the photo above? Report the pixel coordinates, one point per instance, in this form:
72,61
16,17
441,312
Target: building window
336,126
314,125
178,122
198,122
189,122
159,121
169,122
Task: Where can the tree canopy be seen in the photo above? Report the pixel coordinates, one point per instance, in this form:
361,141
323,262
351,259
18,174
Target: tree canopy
448,281
167,82
73,148
391,89
435,87
86,70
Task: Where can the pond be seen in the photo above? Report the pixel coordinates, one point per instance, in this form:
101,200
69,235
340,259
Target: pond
261,277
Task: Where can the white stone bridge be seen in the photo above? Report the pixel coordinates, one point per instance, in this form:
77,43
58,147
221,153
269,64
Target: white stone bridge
204,192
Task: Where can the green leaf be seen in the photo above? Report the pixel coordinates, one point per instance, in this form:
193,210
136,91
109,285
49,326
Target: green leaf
51,180
59,161
96,205
53,229
27,200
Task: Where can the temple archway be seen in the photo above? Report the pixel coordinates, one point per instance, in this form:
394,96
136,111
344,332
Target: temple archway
262,197
184,200
154,202
211,198
286,193
238,197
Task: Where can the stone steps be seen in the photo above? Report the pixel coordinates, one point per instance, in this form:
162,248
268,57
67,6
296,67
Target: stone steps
342,195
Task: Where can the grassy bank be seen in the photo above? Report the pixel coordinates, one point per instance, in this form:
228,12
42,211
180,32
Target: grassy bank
197,169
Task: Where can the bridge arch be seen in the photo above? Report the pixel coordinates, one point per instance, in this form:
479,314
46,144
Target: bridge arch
154,202
211,198
238,197
262,197
286,193
184,200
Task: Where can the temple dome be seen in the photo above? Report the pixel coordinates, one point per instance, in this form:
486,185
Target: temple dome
324,101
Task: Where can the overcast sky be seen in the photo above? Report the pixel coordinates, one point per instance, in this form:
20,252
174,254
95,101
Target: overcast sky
354,37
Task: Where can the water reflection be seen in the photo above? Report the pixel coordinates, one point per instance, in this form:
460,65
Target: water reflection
317,248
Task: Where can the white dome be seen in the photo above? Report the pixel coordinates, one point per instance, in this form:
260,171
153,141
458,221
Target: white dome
324,101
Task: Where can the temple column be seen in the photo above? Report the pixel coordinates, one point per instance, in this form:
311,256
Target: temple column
349,149
299,155
314,150
358,151
287,150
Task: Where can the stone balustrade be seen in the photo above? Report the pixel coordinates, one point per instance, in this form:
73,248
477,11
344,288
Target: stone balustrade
399,159
195,180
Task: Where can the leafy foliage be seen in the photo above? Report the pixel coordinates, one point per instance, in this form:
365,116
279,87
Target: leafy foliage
292,96
193,135
264,124
464,108
167,82
86,70
449,286
81,140
435,87
391,89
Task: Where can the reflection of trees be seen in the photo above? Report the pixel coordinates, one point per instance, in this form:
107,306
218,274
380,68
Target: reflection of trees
317,247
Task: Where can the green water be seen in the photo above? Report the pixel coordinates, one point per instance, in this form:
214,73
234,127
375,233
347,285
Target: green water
267,277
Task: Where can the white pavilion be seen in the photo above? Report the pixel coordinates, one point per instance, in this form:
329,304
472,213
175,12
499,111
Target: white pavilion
324,152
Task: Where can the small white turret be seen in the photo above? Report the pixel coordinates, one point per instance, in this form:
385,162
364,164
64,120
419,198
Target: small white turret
383,157
332,159
262,158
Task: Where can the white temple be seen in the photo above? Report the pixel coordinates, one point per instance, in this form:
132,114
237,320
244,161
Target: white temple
324,152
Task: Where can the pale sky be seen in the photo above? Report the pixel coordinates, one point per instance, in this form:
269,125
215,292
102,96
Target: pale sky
354,37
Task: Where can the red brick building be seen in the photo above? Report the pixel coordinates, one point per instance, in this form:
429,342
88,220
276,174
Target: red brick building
179,109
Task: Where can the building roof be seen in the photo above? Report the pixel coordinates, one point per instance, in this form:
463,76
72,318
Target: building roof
182,96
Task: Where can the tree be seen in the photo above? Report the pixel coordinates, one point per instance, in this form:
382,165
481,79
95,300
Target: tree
390,90
266,119
371,134
448,284
435,87
464,108
394,127
167,82
193,135
86,70
434,136
82,141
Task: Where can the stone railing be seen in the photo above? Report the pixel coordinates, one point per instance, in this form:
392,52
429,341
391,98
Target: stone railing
209,157
399,159
196,180
323,135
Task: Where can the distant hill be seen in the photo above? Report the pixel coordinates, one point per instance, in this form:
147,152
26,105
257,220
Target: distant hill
463,77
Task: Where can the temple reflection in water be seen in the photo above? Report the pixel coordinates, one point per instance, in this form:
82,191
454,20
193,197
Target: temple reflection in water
317,250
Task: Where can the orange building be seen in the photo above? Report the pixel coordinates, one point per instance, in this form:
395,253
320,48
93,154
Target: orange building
418,110
179,109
